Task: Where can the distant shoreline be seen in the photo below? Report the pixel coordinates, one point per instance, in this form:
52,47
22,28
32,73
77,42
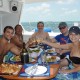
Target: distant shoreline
30,26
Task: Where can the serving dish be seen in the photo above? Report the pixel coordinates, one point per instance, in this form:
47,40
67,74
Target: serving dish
9,69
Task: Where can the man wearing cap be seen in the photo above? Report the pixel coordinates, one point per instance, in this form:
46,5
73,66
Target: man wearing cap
62,38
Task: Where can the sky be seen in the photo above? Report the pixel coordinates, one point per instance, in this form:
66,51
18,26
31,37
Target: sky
53,10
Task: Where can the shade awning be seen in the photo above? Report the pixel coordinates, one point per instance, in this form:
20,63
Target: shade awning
45,30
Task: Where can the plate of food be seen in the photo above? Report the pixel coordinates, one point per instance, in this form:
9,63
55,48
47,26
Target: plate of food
9,69
18,59
51,50
15,58
33,46
52,58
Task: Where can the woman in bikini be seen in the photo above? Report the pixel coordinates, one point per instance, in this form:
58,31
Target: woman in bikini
74,47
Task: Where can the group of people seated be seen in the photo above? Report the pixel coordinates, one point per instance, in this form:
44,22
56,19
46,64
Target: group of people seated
66,44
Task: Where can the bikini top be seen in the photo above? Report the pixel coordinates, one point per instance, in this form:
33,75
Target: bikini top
75,60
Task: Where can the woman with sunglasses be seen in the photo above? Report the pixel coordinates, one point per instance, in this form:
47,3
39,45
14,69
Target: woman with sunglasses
74,47
62,38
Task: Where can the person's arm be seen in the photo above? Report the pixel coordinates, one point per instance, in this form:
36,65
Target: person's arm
15,40
55,45
14,49
47,35
31,41
53,40
62,51
33,35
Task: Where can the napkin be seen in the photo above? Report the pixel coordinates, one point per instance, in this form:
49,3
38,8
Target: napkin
23,74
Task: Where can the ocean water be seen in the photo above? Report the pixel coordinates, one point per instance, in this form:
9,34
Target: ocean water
29,26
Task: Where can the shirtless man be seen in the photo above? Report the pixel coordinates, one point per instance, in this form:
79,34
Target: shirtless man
18,37
40,34
5,46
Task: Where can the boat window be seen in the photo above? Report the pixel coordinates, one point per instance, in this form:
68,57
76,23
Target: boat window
51,13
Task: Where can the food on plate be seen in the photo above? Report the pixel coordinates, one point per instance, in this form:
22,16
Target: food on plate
51,58
16,58
33,50
32,46
51,50
10,68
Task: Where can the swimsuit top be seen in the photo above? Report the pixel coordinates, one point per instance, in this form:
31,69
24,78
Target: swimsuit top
75,60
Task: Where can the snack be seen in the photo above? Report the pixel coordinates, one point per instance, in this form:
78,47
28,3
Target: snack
16,58
10,68
51,50
51,59
34,50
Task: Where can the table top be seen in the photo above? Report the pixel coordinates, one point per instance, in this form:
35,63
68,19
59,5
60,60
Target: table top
53,72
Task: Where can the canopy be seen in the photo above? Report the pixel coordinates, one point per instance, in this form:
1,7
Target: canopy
45,30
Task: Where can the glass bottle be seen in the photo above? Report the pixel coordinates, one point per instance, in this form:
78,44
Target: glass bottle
24,55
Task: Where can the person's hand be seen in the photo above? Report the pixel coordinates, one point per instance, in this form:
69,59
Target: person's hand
32,41
39,40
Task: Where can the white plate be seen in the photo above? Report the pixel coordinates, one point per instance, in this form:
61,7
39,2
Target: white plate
40,70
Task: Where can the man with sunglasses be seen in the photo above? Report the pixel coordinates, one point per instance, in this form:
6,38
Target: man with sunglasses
62,38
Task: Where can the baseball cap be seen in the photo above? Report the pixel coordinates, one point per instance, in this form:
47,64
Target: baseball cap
74,29
62,24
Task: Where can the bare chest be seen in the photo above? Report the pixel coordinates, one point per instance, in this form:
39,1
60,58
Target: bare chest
75,51
41,35
3,49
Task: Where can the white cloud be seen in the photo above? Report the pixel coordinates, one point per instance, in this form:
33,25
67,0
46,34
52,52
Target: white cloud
64,9
40,10
65,1
43,7
71,11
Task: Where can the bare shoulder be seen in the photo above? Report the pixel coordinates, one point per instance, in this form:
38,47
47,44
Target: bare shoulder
34,34
46,33
15,37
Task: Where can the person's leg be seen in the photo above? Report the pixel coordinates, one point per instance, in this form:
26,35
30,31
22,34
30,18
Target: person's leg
64,62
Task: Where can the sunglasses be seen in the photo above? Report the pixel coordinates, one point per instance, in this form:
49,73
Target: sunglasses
62,28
